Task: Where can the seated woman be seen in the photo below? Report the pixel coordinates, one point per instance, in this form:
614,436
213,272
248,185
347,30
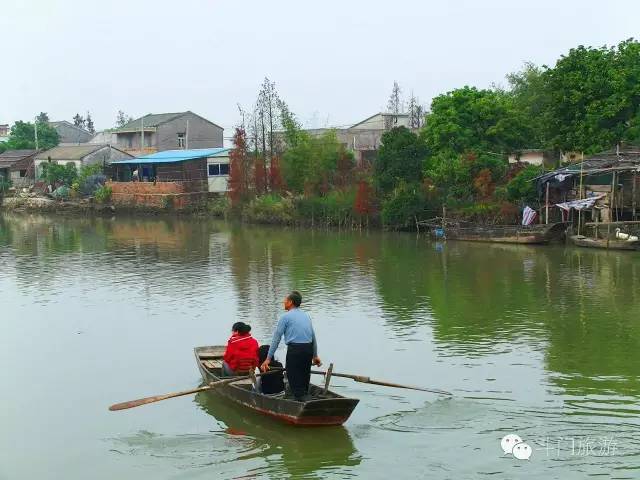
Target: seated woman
241,354
274,382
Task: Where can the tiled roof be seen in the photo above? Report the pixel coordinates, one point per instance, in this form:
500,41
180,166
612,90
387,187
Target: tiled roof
151,120
70,152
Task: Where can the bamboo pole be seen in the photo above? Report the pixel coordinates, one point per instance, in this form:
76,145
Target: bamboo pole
611,204
580,195
546,215
633,196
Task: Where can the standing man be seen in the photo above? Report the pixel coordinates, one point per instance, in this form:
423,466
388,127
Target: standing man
302,349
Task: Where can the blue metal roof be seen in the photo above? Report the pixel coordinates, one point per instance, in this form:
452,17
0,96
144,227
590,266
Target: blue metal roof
169,156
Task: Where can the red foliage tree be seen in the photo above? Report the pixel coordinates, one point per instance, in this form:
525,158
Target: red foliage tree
259,176
275,175
362,204
483,183
344,170
240,168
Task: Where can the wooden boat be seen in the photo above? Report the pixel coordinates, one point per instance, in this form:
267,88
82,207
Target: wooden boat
611,244
322,408
531,234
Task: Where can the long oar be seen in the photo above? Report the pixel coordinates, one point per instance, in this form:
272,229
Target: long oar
157,398
363,379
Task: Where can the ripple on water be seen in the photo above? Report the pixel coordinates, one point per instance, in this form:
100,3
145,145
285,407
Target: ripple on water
593,445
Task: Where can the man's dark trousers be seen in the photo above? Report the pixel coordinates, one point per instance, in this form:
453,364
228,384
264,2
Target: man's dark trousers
299,357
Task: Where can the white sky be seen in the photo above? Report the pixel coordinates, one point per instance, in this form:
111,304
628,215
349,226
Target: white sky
334,62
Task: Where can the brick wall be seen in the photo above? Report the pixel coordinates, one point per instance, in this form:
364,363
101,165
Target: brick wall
179,195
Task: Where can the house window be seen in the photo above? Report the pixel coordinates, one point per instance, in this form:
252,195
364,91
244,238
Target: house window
23,173
218,169
181,140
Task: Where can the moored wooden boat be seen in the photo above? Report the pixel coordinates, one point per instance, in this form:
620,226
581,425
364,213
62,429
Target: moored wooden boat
611,244
519,234
322,408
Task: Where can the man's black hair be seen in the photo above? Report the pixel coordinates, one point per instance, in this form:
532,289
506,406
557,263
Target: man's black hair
295,297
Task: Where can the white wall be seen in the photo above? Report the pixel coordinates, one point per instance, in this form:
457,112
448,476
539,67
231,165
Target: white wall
532,158
219,183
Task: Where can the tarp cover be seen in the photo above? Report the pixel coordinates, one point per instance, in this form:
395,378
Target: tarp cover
582,204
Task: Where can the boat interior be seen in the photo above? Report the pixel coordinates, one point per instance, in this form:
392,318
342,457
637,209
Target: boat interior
211,360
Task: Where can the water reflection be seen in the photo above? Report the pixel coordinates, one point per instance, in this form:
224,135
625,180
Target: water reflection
552,332
578,306
287,450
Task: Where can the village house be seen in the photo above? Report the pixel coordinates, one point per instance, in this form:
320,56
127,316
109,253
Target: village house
69,134
4,132
541,157
168,131
533,156
105,137
17,166
79,155
180,178
364,138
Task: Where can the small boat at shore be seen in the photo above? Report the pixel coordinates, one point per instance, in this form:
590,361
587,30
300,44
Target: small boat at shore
519,234
611,244
324,407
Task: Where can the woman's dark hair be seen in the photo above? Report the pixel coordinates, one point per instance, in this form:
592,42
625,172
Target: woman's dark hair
241,327
295,297
263,351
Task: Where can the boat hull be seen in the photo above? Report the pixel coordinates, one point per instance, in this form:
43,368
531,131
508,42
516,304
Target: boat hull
323,410
521,239
517,234
582,241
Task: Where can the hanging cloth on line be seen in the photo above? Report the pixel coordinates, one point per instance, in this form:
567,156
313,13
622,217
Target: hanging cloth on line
583,204
528,216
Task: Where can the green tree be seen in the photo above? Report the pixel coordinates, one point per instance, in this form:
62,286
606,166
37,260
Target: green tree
89,123
479,120
79,121
405,203
312,164
122,119
522,188
593,97
22,136
43,117
464,178
530,97
400,158
54,173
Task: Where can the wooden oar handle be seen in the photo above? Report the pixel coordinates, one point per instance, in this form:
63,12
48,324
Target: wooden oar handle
364,379
157,398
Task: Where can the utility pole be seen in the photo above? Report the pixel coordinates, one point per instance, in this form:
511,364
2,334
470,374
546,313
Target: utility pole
35,128
142,134
186,136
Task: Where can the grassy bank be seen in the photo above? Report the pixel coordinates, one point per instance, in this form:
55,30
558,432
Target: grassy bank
334,210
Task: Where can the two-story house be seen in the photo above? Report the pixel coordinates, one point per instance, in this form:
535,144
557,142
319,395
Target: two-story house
69,134
168,131
365,137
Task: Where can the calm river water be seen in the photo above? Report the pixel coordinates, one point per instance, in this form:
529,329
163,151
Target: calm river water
540,342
